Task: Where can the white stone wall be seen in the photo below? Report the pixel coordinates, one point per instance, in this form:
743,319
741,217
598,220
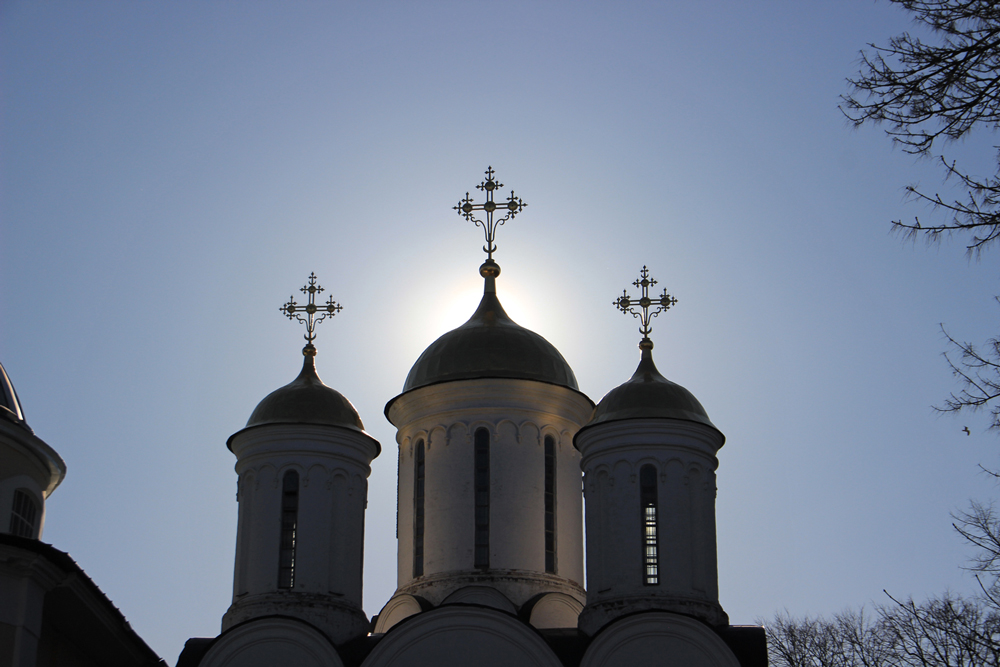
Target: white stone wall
518,414
683,454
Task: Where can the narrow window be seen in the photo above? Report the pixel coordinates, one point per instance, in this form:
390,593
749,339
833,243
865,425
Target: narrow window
647,498
418,511
550,504
289,528
482,484
22,518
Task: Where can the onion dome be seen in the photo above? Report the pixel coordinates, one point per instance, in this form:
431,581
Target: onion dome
649,395
490,345
10,406
306,400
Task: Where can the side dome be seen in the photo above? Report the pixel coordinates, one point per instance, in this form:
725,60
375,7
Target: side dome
306,400
490,345
10,406
649,395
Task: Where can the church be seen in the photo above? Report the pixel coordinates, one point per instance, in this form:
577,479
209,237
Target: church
500,457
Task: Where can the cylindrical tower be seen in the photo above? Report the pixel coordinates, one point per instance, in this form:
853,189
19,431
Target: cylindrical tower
649,461
303,462
489,505
30,470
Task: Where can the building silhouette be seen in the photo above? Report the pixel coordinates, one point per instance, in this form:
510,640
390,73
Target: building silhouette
493,434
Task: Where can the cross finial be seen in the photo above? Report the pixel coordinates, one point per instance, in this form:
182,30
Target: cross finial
313,314
512,206
627,305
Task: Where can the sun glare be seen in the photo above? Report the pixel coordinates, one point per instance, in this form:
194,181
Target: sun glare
458,304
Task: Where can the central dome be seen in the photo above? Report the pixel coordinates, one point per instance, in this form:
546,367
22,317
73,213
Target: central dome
490,345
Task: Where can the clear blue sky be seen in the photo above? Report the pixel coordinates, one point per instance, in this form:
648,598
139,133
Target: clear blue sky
171,171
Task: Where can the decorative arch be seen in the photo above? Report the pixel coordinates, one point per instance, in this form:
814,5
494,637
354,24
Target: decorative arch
508,430
477,424
659,638
551,431
530,433
437,434
421,435
272,641
462,635
555,610
398,608
459,432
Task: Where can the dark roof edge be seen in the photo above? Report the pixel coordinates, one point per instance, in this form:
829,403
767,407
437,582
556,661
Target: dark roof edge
65,562
591,425
483,377
378,445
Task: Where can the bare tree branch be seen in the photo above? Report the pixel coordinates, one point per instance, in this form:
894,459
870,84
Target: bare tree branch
928,92
978,371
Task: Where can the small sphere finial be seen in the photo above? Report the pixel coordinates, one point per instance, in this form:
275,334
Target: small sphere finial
489,269
646,343
309,350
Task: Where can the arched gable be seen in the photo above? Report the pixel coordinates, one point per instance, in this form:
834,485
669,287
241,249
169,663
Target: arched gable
462,635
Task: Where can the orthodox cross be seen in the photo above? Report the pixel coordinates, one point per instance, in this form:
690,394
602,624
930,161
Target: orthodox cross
311,319
512,206
627,305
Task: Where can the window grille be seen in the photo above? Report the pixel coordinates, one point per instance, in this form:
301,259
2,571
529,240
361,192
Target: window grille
22,518
550,504
482,491
648,501
289,529
418,511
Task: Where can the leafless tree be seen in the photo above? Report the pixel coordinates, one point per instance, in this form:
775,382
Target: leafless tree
978,370
942,632
980,526
926,93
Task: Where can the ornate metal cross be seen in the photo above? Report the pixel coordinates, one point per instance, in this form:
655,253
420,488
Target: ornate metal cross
313,314
512,206
627,305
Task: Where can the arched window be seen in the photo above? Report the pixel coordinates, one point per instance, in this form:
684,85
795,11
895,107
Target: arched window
648,501
289,528
550,504
482,484
25,511
418,511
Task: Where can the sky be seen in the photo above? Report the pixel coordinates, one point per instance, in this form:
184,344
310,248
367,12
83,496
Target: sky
171,172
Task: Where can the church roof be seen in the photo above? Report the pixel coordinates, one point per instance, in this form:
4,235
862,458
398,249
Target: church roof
649,395
306,400
490,345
